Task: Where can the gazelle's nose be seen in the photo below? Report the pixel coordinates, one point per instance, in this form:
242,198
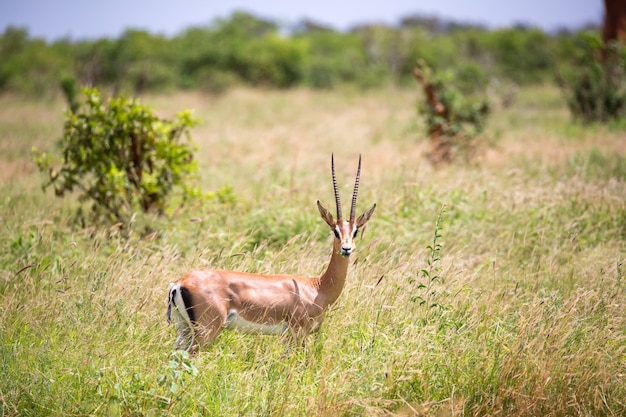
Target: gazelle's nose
346,250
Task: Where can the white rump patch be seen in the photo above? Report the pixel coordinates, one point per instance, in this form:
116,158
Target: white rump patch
180,318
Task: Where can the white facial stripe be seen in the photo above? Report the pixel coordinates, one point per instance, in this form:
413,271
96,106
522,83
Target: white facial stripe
348,236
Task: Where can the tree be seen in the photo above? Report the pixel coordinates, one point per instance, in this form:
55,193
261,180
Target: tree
614,25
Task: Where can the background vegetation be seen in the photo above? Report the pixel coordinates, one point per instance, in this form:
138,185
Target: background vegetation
495,287
526,292
245,49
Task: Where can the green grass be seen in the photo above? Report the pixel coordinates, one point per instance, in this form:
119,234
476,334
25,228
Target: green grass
518,308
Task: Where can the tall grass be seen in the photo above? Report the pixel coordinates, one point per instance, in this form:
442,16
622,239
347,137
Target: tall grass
509,301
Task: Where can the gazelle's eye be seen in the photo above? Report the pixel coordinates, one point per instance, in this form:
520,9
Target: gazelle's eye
336,232
356,232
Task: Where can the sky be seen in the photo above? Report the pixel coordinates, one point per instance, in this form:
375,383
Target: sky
85,19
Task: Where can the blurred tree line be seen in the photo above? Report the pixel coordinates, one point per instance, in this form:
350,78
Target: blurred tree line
246,50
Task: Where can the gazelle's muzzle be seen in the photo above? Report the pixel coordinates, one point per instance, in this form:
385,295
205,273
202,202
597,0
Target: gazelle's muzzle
345,250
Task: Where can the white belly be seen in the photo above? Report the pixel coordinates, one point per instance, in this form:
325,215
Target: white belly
235,322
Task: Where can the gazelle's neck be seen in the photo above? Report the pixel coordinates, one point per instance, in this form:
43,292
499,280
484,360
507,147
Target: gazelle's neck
334,278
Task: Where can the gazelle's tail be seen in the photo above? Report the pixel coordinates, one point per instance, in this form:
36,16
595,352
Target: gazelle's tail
180,312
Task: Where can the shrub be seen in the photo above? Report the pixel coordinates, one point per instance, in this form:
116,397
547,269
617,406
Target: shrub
455,114
122,157
595,84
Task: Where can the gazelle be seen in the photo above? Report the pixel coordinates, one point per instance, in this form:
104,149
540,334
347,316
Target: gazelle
204,302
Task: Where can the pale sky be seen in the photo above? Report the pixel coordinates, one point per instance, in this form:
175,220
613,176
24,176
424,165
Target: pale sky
84,19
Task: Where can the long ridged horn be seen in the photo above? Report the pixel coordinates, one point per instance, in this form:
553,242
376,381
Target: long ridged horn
356,190
337,200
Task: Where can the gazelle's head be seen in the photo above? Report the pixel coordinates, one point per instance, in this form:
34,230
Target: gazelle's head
345,230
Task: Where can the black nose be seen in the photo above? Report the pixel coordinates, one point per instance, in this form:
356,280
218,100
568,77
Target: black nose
346,251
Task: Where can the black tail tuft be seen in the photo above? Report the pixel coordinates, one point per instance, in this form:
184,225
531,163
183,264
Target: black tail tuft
186,295
169,305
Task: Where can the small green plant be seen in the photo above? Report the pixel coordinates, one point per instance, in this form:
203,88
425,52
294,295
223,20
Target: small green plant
121,157
426,294
142,396
594,84
455,111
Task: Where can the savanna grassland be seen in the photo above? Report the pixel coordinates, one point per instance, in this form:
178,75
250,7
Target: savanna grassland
490,288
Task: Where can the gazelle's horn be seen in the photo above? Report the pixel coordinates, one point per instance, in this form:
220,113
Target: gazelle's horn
337,200
356,190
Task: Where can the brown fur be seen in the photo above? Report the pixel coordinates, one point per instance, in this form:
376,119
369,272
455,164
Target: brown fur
269,300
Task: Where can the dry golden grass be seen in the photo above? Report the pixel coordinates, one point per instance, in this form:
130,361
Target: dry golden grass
526,295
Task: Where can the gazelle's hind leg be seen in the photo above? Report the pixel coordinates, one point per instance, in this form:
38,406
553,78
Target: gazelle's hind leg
185,339
209,323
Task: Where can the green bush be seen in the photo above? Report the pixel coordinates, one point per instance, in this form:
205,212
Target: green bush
122,157
31,66
455,110
522,55
595,83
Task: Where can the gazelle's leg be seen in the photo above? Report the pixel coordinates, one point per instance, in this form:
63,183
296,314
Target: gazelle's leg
184,333
298,333
209,324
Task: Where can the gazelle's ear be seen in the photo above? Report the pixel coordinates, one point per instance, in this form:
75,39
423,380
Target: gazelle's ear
328,218
364,218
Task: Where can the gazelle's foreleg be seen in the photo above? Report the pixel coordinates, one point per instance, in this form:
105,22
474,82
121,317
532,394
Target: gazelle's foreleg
300,330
